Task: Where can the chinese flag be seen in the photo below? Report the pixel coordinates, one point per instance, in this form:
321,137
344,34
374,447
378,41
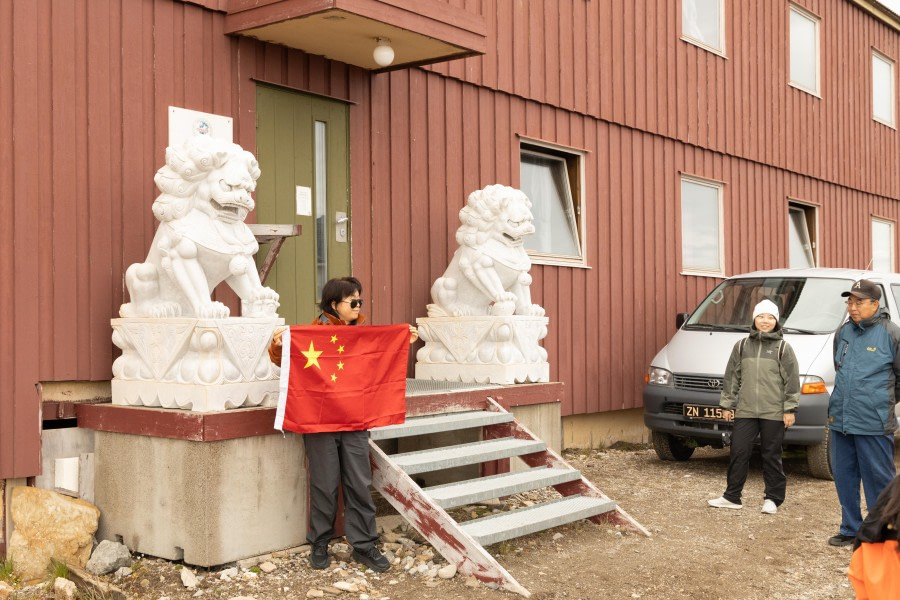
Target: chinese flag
342,378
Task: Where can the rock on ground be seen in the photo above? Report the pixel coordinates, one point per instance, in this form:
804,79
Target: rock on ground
49,525
63,589
108,557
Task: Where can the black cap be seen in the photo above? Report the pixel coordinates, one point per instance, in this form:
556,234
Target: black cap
864,289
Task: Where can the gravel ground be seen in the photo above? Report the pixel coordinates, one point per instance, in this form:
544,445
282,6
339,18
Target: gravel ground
694,551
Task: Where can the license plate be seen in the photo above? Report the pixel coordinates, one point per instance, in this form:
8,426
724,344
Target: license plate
707,413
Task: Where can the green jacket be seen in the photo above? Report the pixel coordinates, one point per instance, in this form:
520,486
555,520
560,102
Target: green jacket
757,384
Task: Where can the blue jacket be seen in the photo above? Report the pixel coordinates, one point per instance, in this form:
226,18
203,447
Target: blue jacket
867,365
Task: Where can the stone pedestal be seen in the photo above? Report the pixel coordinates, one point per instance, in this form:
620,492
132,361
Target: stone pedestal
202,365
483,349
208,488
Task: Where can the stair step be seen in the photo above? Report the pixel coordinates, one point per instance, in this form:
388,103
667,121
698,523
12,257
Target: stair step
445,457
439,423
475,490
508,525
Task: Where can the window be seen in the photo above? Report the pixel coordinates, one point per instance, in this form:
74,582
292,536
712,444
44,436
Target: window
703,23
804,50
701,227
551,178
801,236
882,89
882,246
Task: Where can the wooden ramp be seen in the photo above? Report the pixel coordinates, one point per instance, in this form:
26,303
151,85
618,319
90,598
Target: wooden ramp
462,543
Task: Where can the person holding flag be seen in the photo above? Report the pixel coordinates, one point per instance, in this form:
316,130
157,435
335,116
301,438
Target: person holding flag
335,386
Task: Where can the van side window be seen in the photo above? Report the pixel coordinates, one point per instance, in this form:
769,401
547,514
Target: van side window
895,291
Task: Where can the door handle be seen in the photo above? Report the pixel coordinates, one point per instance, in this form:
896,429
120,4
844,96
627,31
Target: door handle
340,226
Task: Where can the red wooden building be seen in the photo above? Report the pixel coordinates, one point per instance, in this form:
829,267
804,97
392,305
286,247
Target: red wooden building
666,144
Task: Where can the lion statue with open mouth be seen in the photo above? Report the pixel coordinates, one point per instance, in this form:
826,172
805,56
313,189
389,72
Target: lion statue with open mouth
202,239
488,274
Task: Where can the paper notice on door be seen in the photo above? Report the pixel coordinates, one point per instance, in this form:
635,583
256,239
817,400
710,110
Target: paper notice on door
304,201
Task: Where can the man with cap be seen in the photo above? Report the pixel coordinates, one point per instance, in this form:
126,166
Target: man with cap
861,408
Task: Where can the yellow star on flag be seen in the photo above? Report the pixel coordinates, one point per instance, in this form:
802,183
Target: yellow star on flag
340,366
333,339
340,349
312,356
333,378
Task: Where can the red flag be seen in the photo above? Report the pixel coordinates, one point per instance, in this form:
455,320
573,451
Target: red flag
343,378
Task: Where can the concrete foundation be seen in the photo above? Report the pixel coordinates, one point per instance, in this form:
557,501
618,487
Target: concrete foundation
68,442
207,503
599,430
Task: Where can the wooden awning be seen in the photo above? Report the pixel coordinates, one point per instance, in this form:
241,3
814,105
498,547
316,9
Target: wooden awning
420,31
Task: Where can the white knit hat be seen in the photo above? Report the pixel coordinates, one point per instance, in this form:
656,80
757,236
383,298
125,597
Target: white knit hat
766,307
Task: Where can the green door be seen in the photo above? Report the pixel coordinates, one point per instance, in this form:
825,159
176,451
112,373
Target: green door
303,153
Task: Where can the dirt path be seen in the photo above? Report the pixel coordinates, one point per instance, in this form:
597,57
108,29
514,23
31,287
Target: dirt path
695,552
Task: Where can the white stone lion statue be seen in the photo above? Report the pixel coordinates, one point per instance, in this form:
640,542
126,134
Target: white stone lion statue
202,239
488,274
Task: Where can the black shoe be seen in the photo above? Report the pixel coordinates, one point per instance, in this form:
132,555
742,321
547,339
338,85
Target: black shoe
372,558
318,558
841,540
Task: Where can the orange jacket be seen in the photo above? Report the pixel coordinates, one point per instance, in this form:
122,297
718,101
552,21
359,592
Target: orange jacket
875,571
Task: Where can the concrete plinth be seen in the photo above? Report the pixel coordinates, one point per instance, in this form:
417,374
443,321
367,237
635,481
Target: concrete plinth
211,493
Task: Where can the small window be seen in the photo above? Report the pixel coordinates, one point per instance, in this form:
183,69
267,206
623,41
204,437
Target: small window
882,246
701,227
801,235
703,23
551,178
804,50
882,89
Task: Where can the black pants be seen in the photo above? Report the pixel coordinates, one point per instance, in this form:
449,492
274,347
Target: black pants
771,434
333,458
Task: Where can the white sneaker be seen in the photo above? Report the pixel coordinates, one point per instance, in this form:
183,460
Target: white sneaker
769,507
723,503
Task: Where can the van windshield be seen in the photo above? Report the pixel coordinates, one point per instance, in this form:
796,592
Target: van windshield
807,305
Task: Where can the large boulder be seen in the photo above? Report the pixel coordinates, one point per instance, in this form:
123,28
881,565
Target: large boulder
48,525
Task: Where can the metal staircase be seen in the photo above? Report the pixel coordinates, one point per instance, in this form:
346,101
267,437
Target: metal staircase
462,543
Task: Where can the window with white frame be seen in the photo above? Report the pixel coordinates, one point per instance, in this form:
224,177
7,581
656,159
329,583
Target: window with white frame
801,235
703,23
701,227
882,245
551,178
882,88
804,49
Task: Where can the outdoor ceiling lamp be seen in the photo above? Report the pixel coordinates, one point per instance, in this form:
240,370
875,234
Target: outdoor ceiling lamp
383,53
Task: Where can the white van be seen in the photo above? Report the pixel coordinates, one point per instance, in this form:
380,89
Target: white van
681,396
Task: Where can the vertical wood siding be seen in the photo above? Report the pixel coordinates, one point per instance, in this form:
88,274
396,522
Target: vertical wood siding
84,88
84,91
623,61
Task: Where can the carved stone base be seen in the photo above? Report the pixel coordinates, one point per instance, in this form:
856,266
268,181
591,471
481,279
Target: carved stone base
198,398
202,365
483,349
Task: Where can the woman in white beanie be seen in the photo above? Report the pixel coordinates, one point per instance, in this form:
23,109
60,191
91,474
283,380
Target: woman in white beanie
762,387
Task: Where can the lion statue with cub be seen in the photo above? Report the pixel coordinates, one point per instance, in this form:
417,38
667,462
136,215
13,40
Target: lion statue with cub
202,239
488,274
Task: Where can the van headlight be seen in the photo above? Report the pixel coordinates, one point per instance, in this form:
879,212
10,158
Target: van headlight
657,376
812,384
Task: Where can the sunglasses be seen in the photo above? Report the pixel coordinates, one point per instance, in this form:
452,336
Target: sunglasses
353,303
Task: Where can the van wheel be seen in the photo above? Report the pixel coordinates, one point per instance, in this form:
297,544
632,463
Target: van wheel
669,447
818,458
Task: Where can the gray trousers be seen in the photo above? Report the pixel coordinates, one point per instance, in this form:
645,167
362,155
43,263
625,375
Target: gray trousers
333,458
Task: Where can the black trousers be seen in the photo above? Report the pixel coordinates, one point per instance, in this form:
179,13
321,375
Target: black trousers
771,434
334,458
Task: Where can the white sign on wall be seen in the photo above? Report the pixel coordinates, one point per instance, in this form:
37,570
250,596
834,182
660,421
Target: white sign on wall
184,123
304,201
